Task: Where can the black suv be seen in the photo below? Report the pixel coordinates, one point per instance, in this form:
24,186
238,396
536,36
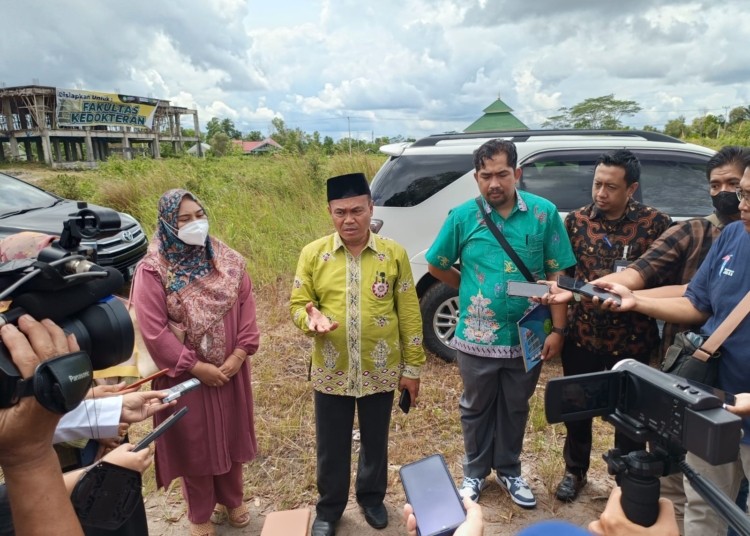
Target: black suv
24,207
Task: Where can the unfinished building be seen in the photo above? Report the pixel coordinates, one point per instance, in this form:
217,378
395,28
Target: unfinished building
30,128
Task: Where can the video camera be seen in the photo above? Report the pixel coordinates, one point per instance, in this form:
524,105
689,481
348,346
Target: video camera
65,284
673,415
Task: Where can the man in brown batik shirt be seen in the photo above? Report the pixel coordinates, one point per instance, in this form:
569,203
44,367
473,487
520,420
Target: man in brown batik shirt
606,236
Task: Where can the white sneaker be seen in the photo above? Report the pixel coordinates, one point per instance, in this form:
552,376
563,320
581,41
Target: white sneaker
472,487
520,492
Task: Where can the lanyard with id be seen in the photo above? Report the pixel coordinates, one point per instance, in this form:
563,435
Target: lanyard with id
621,264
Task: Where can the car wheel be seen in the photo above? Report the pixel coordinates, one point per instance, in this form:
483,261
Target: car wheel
439,319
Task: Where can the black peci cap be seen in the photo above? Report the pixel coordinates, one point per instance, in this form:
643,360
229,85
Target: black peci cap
345,186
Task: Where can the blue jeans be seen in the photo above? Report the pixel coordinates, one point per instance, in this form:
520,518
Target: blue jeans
741,502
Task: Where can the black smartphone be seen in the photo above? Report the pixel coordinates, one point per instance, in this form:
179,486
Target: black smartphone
586,289
431,492
404,401
159,430
526,289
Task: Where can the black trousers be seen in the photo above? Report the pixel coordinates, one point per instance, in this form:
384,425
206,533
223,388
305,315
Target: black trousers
334,419
577,451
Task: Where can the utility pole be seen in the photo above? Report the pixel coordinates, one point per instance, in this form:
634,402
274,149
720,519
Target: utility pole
350,134
726,119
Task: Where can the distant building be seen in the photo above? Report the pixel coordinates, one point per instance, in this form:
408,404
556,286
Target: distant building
77,132
497,116
257,147
193,151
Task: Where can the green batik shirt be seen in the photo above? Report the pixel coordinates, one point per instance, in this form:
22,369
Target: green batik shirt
488,316
373,298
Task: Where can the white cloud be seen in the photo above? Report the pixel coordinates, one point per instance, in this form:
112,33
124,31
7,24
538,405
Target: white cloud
408,67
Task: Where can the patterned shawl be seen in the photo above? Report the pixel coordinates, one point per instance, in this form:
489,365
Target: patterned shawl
24,245
202,283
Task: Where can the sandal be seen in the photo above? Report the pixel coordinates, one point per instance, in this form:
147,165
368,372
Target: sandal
202,529
235,514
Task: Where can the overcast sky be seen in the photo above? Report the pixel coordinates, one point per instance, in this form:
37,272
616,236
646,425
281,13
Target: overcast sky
410,67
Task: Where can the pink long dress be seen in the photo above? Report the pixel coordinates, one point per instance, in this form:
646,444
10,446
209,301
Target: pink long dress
218,429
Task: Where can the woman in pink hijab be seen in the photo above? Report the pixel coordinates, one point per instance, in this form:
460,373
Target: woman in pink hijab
193,279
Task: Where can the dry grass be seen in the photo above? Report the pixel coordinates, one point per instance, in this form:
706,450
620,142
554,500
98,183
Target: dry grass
283,474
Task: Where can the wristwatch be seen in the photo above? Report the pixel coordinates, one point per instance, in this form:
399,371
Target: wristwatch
560,331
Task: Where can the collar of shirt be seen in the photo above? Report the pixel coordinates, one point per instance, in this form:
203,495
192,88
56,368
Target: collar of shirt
520,204
371,243
631,212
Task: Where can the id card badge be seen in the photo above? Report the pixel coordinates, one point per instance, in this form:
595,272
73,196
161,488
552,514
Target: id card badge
620,265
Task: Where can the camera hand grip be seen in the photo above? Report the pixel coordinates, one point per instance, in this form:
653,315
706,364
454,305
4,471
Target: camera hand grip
640,499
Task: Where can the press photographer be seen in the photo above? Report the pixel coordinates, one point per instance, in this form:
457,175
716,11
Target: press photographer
64,284
29,463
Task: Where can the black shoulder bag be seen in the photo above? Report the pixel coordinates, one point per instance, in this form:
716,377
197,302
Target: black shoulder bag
504,243
696,357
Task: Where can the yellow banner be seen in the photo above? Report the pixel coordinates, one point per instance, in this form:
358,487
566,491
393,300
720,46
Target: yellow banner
77,107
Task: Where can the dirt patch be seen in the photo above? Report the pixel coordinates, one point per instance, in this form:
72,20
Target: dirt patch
282,476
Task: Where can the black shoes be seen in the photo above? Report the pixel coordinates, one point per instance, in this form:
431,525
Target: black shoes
376,516
323,528
568,489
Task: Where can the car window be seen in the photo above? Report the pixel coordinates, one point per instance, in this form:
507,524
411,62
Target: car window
675,183
17,195
563,177
406,181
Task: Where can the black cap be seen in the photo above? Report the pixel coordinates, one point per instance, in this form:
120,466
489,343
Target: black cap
345,186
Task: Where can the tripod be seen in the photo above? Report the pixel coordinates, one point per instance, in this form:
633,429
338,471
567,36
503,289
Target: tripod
639,474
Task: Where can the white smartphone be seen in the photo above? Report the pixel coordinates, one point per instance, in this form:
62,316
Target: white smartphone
526,289
178,390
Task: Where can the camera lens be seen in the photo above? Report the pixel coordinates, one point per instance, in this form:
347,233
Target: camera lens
104,331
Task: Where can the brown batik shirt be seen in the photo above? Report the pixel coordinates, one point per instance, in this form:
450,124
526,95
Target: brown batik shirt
597,244
673,259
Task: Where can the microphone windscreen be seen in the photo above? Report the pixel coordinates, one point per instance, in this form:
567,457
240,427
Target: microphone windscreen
62,303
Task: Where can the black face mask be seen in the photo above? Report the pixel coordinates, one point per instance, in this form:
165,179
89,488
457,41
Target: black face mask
726,203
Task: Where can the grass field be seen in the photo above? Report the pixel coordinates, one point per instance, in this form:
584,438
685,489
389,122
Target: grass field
268,208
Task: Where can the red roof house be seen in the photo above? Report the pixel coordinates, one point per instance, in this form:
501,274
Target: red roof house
257,147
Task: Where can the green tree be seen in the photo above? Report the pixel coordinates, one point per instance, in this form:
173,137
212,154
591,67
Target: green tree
603,112
677,128
254,135
328,145
707,126
213,127
649,128
227,127
738,115
220,144
558,122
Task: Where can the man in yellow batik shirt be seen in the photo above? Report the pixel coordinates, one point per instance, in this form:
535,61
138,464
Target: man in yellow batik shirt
354,293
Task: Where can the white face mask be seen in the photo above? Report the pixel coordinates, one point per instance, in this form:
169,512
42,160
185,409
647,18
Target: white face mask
194,233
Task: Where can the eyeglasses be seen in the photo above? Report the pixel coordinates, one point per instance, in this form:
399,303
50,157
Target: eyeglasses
743,196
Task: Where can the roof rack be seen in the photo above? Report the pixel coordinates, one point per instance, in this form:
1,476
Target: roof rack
523,135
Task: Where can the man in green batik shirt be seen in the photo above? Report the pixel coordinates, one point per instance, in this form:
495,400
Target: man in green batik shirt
354,292
495,403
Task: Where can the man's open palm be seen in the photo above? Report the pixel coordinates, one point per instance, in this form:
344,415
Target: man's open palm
317,321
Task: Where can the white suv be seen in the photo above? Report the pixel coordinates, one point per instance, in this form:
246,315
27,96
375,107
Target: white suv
422,181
